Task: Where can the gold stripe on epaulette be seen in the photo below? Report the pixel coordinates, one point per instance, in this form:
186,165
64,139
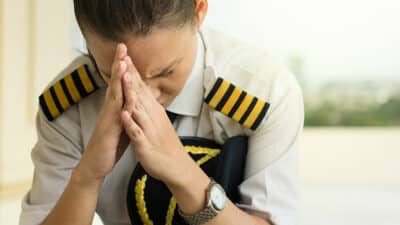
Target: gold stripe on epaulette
67,92
51,106
87,83
237,104
61,96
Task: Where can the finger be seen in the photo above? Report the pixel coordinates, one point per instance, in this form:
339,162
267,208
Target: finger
134,107
138,83
132,68
118,68
143,119
143,93
150,104
134,132
115,88
120,53
129,93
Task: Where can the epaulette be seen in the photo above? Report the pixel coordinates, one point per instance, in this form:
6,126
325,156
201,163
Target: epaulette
67,92
237,104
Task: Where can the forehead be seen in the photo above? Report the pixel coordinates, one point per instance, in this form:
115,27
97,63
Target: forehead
149,53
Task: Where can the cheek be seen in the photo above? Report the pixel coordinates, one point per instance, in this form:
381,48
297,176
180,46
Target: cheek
170,88
173,84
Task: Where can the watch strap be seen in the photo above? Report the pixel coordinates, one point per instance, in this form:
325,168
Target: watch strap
206,214
199,218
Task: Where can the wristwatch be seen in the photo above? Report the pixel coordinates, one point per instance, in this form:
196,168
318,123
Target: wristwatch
215,203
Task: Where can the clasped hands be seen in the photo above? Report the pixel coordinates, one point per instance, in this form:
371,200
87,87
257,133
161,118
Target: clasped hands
131,114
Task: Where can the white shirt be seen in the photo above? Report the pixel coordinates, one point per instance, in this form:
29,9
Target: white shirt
269,189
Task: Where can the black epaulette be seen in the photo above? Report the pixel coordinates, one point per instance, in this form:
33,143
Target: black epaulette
67,92
237,104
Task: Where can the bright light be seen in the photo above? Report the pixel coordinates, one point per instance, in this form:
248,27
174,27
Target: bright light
341,39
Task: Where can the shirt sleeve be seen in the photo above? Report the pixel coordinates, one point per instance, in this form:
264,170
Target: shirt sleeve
270,187
56,153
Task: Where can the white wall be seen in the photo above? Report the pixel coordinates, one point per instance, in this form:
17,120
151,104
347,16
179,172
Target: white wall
35,45
341,39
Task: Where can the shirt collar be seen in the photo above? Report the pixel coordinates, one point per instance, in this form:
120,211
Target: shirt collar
190,99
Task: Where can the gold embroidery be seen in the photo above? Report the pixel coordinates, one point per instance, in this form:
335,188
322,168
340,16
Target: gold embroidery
209,153
171,211
141,185
141,202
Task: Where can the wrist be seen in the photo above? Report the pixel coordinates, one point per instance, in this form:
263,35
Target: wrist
188,174
190,190
81,177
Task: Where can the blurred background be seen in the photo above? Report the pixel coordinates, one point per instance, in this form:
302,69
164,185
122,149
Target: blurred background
345,54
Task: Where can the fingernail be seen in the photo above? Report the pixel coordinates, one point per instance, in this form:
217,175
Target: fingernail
122,49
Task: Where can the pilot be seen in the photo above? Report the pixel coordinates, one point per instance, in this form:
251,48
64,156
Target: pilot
165,122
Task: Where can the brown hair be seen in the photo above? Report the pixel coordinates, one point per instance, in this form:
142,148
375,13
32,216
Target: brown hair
112,19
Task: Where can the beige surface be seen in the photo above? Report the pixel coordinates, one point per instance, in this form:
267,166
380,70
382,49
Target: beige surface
1,83
14,191
353,156
35,41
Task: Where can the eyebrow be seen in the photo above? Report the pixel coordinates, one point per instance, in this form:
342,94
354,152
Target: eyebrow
165,70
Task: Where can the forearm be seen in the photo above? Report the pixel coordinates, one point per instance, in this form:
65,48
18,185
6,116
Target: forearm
190,194
77,204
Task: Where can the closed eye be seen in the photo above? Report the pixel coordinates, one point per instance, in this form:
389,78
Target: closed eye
168,73
168,70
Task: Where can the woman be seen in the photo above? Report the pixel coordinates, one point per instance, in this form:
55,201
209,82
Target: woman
104,116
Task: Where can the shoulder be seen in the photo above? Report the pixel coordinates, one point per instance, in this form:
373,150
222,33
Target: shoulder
249,83
74,83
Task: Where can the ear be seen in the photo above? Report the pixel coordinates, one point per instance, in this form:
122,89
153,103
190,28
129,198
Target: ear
201,8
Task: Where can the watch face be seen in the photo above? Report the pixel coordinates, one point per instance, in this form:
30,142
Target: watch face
218,197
